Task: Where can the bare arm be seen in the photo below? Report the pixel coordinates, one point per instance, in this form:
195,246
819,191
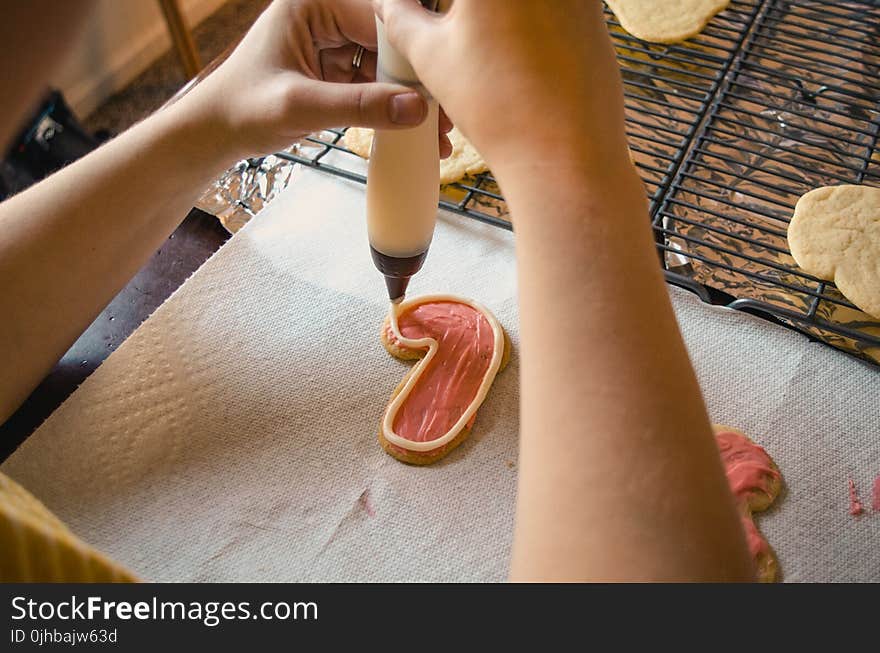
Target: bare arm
70,243
619,474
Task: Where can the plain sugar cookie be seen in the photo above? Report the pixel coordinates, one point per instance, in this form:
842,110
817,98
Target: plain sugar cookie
665,21
835,235
464,161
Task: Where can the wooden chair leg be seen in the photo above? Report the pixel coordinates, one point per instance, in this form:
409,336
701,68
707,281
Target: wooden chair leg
182,38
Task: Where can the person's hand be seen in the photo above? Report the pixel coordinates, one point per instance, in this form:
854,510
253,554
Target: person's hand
521,79
293,74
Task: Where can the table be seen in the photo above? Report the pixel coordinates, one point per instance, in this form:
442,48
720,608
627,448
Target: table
232,412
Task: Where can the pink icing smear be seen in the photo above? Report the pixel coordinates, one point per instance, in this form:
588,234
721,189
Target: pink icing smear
749,470
451,380
875,499
855,505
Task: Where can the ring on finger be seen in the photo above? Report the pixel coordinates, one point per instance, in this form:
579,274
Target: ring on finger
358,58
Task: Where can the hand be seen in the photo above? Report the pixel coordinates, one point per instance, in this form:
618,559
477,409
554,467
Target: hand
519,78
292,74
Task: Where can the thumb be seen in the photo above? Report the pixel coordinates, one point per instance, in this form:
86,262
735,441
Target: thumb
405,22
377,105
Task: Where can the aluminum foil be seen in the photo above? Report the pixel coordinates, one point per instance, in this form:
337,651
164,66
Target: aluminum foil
243,190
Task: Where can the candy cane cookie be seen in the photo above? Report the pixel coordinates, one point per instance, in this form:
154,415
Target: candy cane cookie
462,347
755,482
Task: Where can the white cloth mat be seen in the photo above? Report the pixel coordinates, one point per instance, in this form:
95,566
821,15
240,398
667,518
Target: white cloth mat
233,435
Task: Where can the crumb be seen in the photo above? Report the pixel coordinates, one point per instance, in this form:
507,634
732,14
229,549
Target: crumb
512,465
855,506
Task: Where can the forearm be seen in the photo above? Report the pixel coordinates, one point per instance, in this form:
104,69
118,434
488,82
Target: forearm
70,243
620,477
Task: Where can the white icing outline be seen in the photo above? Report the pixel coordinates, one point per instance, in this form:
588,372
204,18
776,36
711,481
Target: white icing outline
433,346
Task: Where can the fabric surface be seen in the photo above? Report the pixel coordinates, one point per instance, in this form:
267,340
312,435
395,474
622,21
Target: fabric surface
233,435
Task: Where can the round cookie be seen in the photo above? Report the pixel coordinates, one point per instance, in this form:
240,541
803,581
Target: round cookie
464,161
359,140
835,235
665,21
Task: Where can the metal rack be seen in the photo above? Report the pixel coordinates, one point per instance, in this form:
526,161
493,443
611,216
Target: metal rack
728,130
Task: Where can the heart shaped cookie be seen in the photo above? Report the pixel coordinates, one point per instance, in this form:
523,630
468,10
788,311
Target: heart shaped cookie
462,347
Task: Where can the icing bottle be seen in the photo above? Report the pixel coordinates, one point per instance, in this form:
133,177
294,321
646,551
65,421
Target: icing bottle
403,180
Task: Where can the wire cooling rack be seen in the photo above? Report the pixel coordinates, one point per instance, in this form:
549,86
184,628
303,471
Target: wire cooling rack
772,99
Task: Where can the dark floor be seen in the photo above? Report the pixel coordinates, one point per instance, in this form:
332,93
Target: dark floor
153,87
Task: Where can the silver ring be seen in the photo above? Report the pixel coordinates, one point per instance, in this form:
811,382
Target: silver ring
358,57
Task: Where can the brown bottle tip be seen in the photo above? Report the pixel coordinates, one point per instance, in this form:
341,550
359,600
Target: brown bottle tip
396,288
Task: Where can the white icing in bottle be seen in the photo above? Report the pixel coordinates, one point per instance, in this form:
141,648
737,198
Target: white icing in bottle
403,181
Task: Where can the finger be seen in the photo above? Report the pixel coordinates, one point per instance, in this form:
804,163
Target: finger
336,63
344,21
444,123
445,146
405,22
381,106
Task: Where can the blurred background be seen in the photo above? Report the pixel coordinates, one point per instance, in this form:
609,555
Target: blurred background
130,59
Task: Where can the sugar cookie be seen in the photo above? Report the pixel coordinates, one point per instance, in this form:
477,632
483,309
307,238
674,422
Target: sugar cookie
755,482
665,21
835,235
462,347
463,162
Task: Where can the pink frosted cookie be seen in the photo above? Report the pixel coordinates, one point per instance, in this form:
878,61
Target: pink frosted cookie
755,482
462,347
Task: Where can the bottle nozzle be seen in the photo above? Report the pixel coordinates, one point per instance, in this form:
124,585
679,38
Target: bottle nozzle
397,271
396,288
